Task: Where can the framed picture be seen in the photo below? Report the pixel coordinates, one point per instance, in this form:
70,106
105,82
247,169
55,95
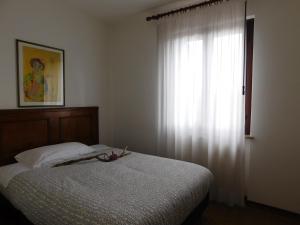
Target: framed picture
40,73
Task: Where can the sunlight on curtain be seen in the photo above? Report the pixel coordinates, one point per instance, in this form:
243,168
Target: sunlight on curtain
201,106
188,78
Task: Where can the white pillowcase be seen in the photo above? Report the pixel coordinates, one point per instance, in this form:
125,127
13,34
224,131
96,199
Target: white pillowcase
43,156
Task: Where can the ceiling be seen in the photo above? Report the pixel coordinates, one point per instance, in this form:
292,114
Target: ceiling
113,9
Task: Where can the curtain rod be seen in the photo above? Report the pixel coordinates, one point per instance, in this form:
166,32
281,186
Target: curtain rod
184,9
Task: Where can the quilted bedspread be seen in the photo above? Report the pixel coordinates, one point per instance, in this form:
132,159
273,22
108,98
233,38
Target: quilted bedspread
135,190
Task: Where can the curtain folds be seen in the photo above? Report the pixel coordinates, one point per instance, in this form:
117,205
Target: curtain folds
201,106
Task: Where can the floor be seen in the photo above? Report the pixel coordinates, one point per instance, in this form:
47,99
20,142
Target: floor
253,214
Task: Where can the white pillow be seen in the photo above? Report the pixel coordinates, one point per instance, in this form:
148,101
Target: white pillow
42,156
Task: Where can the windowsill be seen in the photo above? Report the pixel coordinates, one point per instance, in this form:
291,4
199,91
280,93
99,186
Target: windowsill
249,137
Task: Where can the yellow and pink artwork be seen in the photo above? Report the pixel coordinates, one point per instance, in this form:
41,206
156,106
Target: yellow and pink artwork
40,74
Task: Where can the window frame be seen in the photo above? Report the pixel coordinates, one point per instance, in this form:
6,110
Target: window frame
249,73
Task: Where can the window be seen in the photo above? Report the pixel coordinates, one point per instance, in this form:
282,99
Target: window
208,71
189,79
249,71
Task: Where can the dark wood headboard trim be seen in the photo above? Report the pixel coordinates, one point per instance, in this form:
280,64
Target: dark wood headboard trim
5,112
45,127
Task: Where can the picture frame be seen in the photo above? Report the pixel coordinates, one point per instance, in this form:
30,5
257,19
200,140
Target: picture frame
40,75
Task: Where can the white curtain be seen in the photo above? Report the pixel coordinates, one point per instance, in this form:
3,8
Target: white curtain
201,106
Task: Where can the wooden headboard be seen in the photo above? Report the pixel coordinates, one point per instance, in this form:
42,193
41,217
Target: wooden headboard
23,129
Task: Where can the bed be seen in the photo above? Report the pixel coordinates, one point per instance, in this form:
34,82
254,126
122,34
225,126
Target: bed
136,189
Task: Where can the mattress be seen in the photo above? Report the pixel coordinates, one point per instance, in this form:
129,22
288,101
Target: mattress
137,189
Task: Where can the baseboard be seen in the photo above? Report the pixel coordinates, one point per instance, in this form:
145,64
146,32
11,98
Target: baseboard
274,209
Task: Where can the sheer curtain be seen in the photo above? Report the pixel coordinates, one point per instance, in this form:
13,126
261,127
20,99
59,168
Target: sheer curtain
201,106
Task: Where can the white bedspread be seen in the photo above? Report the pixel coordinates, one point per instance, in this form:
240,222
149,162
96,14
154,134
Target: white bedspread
10,171
135,190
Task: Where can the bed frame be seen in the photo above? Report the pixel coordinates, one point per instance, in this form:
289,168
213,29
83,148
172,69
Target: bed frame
23,129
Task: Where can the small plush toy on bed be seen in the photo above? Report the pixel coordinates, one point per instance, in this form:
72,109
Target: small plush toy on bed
105,157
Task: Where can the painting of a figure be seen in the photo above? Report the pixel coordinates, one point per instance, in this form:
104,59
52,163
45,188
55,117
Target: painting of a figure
34,81
40,75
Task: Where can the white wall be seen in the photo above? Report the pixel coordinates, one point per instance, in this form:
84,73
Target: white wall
50,22
275,156
134,84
